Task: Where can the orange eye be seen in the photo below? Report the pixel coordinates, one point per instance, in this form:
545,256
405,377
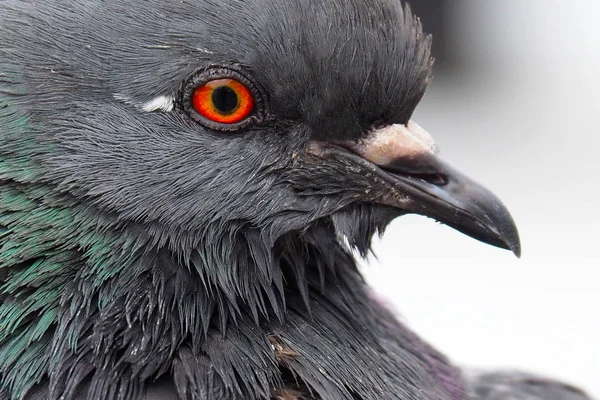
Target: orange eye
226,101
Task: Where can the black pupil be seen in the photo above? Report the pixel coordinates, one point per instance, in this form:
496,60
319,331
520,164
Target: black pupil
225,99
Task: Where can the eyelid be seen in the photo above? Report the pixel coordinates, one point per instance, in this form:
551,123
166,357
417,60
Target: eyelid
202,76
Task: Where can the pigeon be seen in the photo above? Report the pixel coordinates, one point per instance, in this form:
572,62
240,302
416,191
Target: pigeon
186,187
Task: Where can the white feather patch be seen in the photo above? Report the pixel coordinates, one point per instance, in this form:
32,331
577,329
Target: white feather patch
160,103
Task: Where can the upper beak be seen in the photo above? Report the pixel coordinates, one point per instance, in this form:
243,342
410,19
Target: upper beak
406,157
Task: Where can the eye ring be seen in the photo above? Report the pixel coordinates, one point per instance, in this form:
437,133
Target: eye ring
222,99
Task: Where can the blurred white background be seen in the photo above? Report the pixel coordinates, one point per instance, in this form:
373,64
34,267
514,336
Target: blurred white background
521,114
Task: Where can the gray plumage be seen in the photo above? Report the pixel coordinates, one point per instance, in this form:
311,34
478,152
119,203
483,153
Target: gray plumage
516,385
148,253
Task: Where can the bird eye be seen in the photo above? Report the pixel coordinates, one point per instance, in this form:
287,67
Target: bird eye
225,101
221,99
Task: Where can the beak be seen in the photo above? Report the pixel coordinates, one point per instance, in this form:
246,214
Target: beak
406,158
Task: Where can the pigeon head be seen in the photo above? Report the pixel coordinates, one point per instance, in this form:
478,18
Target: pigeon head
173,169
202,119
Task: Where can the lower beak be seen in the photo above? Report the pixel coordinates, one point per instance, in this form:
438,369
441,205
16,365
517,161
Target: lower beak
406,158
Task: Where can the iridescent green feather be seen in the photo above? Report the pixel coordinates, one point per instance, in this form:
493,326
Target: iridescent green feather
43,243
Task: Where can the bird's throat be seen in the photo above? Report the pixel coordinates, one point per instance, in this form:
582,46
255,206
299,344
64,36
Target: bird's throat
90,308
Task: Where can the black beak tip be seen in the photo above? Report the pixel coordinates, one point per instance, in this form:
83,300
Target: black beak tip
517,251
494,226
515,246
505,237
509,236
